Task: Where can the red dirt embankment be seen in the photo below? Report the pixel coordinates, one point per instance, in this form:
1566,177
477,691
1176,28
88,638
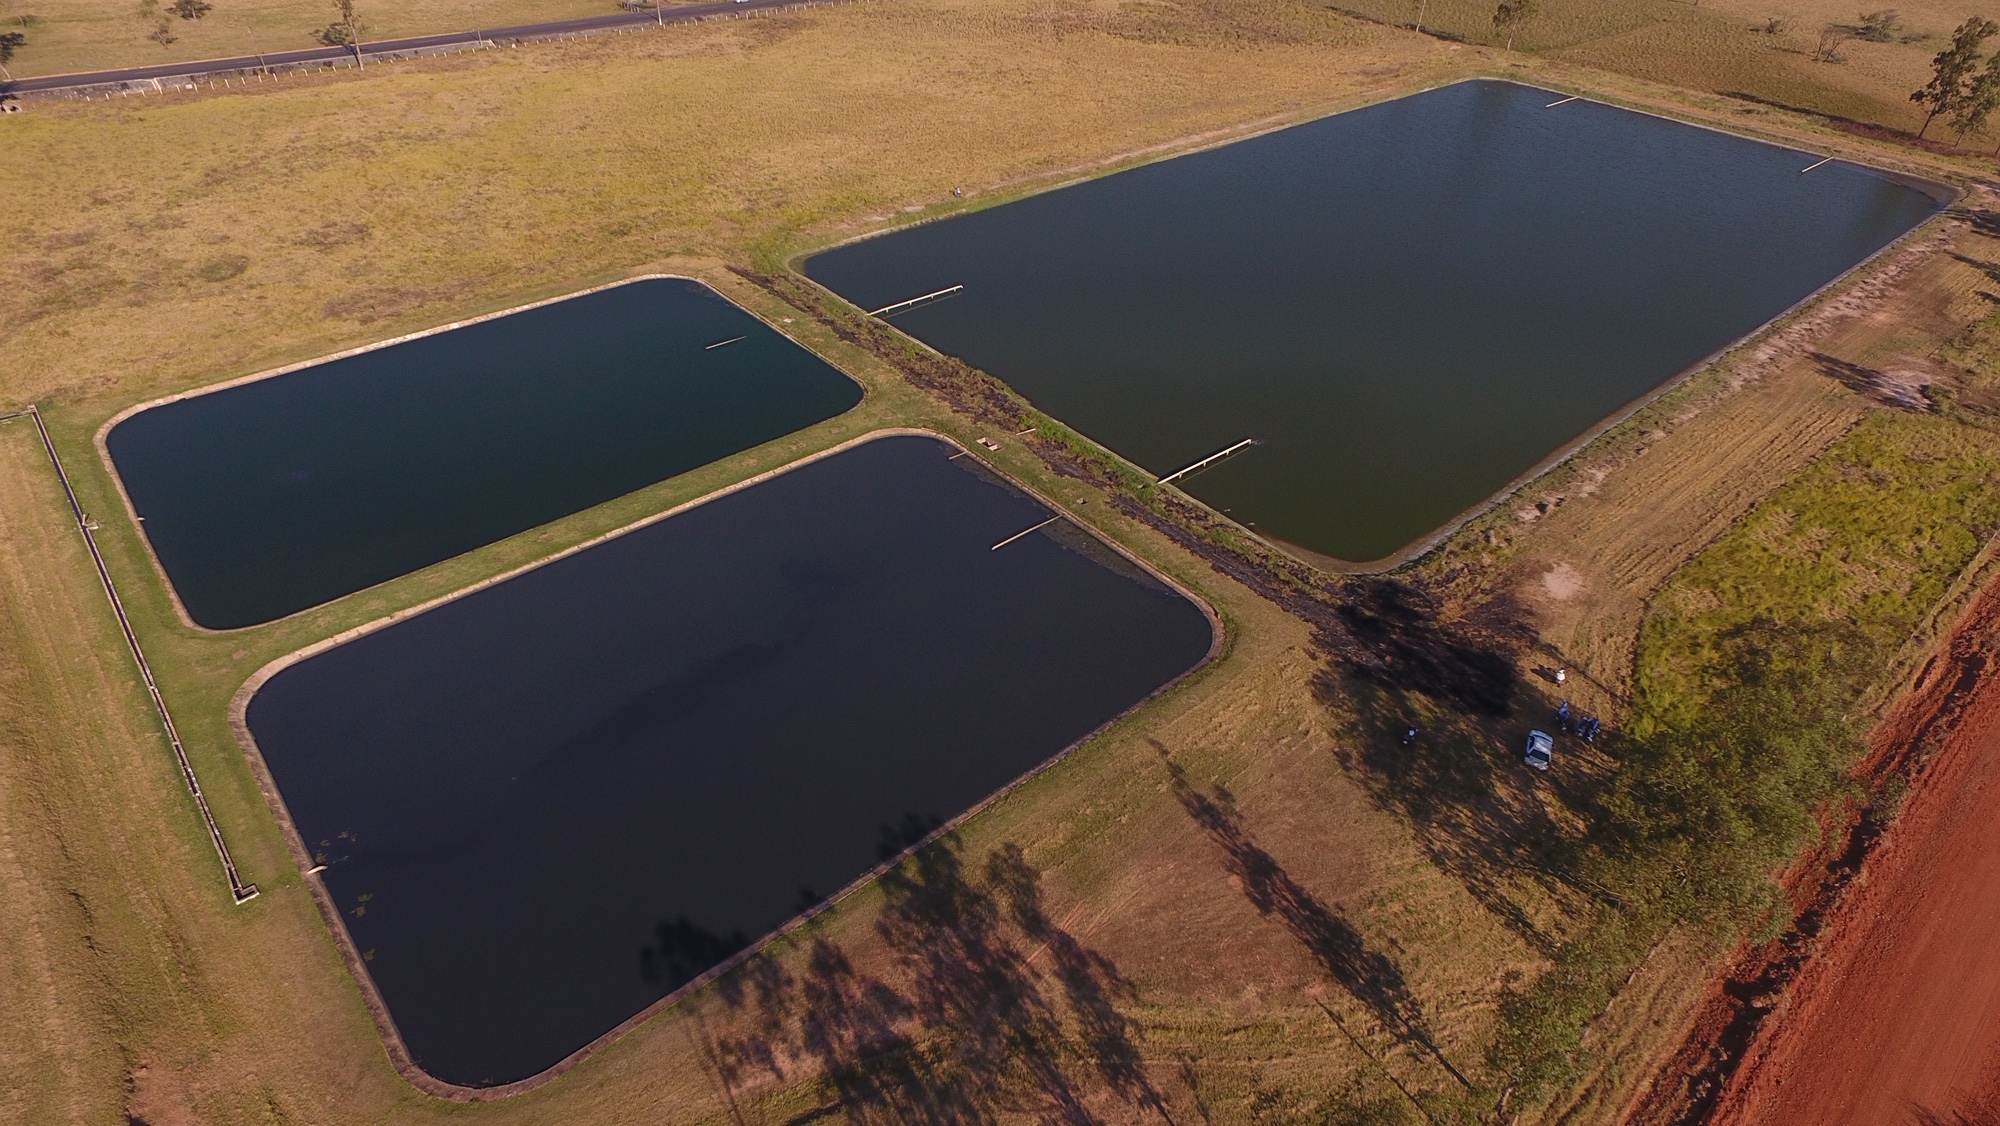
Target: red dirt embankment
1882,1005
1898,1014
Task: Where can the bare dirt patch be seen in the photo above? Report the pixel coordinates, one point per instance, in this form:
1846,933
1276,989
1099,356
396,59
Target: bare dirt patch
1562,582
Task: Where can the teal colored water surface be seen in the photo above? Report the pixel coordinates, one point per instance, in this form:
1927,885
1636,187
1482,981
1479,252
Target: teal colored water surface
1408,306
270,497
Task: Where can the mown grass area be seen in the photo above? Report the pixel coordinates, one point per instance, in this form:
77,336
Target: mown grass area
1870,535
1744,719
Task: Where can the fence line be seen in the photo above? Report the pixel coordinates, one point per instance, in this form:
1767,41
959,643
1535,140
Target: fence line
242,892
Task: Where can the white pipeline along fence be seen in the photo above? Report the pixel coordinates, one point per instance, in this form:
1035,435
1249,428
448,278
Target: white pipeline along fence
241,891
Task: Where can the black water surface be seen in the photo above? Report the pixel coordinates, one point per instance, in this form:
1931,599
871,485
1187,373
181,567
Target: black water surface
270,497
1407,305
546,804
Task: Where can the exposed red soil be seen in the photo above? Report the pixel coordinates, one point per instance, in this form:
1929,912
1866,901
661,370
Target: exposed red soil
1899,1012
1883,998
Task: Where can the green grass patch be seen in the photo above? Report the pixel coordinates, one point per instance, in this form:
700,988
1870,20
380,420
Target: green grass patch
1869,536
1751,667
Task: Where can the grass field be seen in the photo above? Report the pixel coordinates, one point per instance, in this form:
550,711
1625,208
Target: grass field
73,35
1724,46
1223,908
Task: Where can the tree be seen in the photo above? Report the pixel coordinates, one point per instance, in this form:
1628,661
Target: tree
1511,14
1982,97
1830,39
9,43
1951,70
163,27
190,9
1879,26
343,32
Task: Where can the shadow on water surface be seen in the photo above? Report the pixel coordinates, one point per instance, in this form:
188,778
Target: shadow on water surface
683,950
993,1010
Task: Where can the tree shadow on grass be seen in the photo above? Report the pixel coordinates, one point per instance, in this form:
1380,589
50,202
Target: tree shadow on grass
1389,634
1479,813
1877,386
993,1010
1991,271
1369,976
1982,220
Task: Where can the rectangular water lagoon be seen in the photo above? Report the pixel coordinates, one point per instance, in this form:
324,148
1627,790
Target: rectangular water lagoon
1407,306
547,804
268,497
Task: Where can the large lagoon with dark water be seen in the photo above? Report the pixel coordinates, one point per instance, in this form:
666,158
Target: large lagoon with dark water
1407,306
269,497
547,804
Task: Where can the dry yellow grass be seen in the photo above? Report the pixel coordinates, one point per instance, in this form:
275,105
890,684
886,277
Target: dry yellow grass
357,206
65,36
194,238
1722,45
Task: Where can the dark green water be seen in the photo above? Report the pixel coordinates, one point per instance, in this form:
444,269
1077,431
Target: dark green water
1407,306
271,497
547,804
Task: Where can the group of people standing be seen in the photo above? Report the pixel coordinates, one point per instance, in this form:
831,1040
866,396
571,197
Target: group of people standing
1582,726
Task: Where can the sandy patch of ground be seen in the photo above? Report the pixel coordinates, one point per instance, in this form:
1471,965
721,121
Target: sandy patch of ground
1562,582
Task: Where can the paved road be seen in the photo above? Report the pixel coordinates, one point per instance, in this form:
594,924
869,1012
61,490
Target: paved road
389,46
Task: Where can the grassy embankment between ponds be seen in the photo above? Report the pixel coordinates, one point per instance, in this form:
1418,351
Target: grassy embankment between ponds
215,237
1287,940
